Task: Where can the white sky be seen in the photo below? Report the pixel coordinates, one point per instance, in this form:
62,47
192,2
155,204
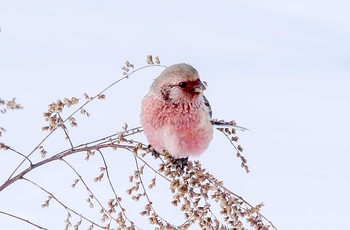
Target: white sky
279,68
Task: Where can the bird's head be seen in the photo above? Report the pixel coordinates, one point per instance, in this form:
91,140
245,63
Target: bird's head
178,82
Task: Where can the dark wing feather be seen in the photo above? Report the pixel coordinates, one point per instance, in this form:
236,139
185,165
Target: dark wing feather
206,103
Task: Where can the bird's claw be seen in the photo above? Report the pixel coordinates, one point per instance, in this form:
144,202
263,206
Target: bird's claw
181,162
153,151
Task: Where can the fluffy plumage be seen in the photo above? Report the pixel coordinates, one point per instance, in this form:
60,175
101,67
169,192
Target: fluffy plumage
175,114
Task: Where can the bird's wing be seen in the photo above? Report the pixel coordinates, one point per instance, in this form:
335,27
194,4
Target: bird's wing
206,103
225,124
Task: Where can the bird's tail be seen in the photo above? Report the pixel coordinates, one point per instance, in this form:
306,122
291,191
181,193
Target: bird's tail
227,124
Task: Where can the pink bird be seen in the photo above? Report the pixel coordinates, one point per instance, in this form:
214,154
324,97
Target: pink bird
175,114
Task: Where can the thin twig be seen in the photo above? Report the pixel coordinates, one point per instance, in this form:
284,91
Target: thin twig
58,157
144,189
79,148
79,109
61,203
219,185
238,152
154,170
22,219
22,155
112,187
87,188
64,127
110,137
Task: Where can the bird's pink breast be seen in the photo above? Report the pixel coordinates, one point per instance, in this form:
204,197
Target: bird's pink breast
183,129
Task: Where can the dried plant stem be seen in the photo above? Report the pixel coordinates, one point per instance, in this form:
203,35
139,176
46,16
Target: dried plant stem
227,191
60,156
99,144
154,170
112,187
193,188
145,192
65,130
206,202
17,152
22,219
79,109
87,187
198,171
111,138
237,148
247,203
62,204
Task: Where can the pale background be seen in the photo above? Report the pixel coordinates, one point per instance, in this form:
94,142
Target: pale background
279,68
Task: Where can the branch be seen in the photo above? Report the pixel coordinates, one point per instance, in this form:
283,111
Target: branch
193,188
22,219
60,156
220,185
58,201
79,109
117,198
65,130
87,187
6,147
155,214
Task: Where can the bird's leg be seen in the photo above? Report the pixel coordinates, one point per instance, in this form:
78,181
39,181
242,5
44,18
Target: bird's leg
181,162
154,152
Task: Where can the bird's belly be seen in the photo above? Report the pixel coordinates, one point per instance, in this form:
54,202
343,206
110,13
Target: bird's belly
182,130
186,140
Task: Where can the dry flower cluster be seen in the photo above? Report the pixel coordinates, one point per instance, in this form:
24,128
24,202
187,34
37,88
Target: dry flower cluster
8,105
203,199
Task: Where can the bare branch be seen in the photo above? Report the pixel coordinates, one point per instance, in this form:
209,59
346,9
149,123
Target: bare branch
61,203
86,186
6,147
65,130
193,189
79,109
60,156
117,198
155,214
22,219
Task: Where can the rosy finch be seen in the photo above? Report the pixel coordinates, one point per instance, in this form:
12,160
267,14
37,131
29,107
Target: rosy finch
175,114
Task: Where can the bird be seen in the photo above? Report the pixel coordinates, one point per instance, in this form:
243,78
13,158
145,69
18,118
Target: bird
175,115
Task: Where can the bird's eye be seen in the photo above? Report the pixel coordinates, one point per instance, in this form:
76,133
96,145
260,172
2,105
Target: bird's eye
183,84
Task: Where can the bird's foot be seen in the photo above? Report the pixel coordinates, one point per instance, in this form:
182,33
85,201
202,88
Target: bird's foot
181,162
153,151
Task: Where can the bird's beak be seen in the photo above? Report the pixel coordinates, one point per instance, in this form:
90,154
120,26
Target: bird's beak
199,88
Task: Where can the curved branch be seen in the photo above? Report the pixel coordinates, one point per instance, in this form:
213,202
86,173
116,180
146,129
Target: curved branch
65,206
145,192
113,190
22,155
78,109
24,220
60,156
87,187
